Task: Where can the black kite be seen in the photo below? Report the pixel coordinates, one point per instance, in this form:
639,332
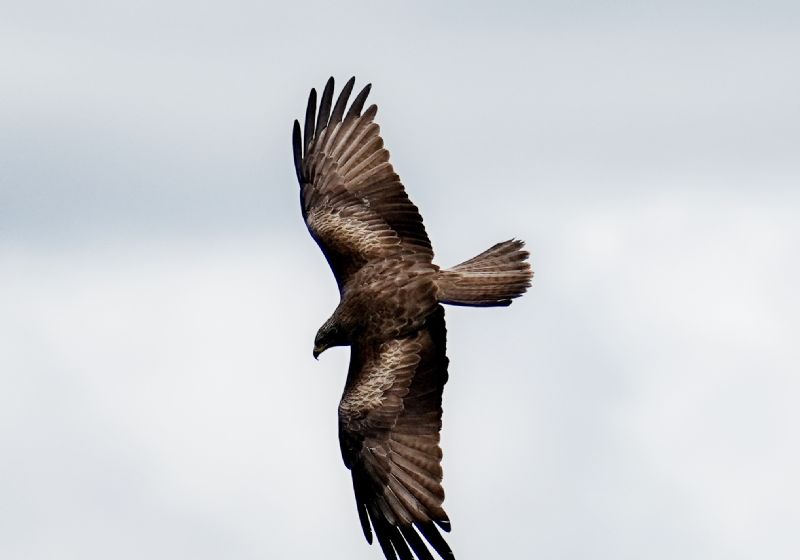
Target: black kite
390,314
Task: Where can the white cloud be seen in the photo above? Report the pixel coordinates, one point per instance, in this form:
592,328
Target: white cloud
160,293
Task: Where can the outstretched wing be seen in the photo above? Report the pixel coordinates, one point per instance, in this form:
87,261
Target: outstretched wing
389,421
352,200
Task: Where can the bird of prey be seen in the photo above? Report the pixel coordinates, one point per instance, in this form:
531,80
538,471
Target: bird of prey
390,314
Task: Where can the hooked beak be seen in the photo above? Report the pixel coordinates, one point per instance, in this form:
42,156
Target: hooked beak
317,351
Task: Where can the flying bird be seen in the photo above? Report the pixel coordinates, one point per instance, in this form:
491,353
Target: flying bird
390,314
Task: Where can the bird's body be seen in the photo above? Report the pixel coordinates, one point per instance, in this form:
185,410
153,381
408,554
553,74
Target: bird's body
388,299
391,316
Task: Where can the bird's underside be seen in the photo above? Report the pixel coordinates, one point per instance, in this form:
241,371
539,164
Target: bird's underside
390,314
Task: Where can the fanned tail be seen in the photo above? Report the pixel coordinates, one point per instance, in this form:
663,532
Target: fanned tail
493,278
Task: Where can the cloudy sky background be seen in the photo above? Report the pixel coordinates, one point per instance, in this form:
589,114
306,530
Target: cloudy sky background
160,293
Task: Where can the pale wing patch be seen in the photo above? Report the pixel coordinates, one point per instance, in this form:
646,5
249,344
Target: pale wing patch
383,381
357,234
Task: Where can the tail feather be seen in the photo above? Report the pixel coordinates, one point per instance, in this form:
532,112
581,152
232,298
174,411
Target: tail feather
493,278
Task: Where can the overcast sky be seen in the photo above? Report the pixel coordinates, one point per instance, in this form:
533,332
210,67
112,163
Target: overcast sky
160,293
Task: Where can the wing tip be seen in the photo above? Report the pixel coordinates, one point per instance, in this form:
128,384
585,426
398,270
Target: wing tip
315,123
435,538
297,150
358,102
324,107
311,110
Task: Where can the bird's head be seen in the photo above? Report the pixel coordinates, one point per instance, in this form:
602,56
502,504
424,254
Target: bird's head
330,334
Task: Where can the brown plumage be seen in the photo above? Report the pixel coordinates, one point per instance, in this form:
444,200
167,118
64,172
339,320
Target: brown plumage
390,315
